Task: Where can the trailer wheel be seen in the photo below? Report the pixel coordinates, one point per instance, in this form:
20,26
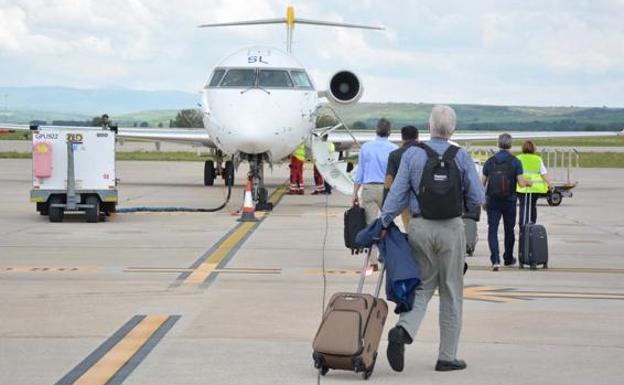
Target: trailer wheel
554,198
209,173
92,214
55,214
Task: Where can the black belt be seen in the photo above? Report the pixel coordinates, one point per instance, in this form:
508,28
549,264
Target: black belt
416,215
374,183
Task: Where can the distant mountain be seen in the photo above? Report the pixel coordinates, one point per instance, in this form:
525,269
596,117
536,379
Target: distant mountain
92,101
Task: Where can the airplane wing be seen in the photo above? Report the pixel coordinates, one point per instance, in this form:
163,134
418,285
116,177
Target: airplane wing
197,136
343,140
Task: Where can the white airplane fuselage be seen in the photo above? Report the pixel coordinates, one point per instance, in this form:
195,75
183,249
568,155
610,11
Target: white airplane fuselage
253,103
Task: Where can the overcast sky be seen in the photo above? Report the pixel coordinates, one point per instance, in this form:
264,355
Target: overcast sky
527,52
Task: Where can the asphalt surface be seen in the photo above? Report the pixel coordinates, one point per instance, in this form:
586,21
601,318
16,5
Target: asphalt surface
196,298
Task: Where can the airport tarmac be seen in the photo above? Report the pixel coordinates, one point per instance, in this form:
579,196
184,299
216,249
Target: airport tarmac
197,298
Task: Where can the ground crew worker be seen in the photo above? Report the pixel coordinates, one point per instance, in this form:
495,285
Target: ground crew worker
323,187
371,172
409,137
105,122
436,233
501,172
534,171
297,160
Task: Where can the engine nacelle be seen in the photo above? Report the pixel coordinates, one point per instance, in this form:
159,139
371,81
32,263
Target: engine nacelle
344,88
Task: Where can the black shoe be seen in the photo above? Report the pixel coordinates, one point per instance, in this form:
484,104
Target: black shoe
511,263
397,338
447,366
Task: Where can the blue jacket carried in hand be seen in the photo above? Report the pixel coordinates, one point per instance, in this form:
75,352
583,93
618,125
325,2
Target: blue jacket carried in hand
402,273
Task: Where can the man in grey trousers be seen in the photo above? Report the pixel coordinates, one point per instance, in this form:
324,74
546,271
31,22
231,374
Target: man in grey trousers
436,235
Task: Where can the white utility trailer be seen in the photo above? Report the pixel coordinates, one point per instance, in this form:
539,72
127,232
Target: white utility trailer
74,170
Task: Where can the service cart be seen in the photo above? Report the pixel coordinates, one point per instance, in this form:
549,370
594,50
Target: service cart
74,171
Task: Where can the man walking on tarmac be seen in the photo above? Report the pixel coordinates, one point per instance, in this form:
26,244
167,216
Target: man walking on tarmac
500,174
297,160
409,137
436,180
371,172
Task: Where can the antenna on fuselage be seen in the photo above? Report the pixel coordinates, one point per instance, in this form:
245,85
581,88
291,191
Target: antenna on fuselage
290,25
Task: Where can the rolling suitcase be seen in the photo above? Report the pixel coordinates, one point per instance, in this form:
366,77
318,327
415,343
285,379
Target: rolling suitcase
351,329
533,242
354,221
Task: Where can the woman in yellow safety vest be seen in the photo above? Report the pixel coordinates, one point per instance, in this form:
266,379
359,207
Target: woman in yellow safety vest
534,170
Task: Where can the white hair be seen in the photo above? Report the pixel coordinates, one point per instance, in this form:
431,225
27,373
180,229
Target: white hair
442,122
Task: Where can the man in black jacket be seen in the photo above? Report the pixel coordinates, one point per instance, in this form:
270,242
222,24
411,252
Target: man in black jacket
409,136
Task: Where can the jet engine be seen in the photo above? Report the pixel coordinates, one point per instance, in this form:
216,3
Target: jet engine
344,88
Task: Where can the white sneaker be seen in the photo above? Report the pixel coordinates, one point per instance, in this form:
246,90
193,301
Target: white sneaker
495,267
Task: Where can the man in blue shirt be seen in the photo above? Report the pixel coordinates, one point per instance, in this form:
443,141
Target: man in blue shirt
439,245
371,173
500,174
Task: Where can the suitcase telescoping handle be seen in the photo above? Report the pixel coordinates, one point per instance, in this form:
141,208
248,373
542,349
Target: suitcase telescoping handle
363,273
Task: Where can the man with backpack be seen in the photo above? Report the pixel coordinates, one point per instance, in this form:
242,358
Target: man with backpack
436,180
500,174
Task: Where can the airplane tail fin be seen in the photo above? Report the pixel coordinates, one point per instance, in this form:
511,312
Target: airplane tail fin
290,22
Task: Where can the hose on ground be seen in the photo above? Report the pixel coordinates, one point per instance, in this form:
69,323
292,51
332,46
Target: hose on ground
172,209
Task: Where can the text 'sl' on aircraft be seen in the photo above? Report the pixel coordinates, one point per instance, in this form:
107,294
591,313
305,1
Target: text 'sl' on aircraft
259,104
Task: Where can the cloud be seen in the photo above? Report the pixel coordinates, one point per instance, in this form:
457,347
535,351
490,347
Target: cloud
556,52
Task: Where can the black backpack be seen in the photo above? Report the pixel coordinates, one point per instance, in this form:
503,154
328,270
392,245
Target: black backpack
498,184
440,194
354,221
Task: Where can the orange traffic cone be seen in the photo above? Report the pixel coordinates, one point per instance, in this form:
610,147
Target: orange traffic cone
248,206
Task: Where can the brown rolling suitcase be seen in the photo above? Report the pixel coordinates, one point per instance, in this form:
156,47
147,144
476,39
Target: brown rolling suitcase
351,329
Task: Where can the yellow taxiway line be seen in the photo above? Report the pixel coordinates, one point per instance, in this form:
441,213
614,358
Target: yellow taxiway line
103,370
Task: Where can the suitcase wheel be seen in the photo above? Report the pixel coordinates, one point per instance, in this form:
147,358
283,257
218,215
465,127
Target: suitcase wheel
533,266
369,372
323,370
521,265
318,361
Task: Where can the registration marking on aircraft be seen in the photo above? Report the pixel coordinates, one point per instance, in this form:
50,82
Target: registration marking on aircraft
114,360
206,268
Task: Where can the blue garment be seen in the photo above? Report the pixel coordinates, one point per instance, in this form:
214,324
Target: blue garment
373,161
516,167
407,181
402,273
507,210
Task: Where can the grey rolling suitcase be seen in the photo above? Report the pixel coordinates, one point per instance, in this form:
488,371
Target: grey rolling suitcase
349,334
533,242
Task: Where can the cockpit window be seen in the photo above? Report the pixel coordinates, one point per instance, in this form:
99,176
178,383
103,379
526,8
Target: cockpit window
301,79
239,78
274,78
216,77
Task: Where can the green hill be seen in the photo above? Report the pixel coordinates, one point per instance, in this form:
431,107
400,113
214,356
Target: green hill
470,117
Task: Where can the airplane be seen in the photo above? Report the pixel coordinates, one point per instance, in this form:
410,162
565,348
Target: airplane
259,104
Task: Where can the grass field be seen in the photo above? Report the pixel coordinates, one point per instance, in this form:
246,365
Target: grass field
588,159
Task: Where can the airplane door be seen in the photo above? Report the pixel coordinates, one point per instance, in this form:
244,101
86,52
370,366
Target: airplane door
334,171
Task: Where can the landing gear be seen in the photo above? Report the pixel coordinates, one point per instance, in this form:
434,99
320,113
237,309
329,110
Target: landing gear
209,173
228,173
259,192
